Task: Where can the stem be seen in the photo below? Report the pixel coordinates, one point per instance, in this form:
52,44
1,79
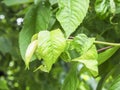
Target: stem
107,43
100,42
103,49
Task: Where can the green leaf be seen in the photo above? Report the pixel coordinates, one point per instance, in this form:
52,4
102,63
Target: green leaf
71,81
3,84
66,55
5,45
112,6
16,2
105,7
53,2
71,13
82,43
116,84
36,19
89,59
102,57
117,2
37,1
50,46
102,8
113,71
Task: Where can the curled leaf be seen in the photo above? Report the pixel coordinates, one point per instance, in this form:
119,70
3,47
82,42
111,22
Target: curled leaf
29,52
34,37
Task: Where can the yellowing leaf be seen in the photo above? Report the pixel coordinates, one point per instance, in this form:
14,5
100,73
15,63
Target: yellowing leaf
89,59
82,43
50,46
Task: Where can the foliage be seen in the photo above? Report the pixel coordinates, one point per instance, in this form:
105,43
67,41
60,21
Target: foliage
76,42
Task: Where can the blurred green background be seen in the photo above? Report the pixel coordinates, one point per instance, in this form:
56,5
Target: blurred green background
13,75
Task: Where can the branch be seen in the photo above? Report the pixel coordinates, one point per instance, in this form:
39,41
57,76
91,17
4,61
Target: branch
103,49
71,37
